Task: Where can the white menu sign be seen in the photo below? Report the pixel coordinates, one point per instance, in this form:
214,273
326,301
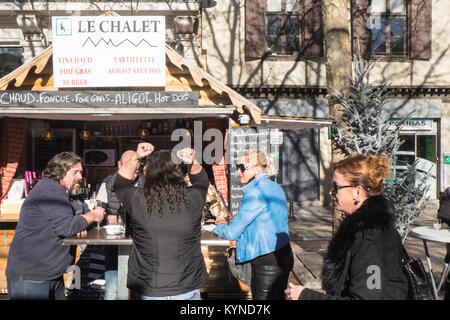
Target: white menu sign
109,51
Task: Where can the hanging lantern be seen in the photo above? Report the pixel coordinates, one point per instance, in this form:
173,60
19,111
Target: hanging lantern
48,135
143,133
85,134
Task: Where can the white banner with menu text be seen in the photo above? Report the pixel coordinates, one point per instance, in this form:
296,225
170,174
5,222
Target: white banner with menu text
109,51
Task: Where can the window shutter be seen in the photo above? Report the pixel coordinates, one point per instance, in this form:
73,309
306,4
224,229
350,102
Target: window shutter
360,31
255,29
421,29
313,45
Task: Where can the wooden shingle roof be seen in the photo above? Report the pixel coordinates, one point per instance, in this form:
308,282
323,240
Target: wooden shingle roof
181,75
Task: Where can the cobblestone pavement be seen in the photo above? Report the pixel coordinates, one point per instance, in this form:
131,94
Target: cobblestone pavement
311,230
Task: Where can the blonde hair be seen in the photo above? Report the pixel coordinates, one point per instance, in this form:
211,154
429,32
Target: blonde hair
268,163
367,171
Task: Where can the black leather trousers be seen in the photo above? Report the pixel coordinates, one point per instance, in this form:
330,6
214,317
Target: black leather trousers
270,281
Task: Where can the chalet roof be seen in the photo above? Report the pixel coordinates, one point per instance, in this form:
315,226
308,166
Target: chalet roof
181,75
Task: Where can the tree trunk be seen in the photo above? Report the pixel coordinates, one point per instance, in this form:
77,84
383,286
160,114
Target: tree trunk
338,53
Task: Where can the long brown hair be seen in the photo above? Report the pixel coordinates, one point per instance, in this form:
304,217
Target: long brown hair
60,163
164,181
367,171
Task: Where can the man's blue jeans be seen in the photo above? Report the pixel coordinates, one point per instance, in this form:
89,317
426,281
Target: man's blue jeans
191,295
111,279
36,289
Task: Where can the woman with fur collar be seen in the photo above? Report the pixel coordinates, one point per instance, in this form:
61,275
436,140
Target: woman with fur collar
363,260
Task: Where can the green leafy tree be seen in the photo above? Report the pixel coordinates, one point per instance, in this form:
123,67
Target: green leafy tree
365,128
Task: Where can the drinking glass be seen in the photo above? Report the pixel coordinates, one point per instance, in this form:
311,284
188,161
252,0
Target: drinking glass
93,205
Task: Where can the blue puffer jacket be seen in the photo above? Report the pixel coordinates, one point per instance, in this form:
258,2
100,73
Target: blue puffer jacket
261,224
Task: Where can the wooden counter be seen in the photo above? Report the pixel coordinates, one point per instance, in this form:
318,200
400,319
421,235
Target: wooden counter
99,237
8,223
221,284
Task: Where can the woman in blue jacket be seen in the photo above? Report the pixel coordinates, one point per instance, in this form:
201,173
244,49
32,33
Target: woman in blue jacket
261,227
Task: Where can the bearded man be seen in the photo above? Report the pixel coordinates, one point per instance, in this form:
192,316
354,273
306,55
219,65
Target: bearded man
37,260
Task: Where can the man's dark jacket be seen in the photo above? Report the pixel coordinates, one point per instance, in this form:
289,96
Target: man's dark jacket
46,217
363,260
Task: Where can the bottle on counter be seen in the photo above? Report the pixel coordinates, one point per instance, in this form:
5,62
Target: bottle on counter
155,127
165,128
121,215
148,125
128,230
160,127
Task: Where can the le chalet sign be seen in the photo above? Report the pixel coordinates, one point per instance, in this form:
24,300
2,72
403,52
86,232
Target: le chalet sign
109,51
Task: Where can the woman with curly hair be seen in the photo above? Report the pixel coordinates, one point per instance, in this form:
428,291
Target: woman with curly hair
364,256
166,261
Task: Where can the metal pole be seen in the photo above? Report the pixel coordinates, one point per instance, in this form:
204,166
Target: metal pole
291,215
433,284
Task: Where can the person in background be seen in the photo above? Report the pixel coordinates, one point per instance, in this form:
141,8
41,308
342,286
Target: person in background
37,260
364,257
112,207
166,262
444,214
261,227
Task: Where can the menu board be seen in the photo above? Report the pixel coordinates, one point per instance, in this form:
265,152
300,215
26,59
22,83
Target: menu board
240,140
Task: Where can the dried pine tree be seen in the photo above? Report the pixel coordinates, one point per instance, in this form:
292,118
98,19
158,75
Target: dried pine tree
365,129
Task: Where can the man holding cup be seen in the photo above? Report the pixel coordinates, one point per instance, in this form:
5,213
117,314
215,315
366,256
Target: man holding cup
37,260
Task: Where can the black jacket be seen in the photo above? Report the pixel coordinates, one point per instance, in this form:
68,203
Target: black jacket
363,260
166,257
113,204
46,217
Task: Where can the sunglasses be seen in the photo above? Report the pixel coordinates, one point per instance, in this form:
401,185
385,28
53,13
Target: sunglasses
243,167
335,188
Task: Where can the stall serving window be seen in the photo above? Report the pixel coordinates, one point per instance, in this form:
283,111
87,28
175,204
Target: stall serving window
99,143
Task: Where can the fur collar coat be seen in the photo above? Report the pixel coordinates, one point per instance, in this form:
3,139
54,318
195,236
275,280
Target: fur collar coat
363,259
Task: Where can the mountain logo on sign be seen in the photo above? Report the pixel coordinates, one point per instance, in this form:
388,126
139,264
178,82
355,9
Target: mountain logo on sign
110,42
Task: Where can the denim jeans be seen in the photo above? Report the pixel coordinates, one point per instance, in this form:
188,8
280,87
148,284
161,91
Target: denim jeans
36,289
111,280
191,295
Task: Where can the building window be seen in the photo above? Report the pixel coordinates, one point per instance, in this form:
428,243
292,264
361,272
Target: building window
283,26
283,29
388,28
392,29
10,59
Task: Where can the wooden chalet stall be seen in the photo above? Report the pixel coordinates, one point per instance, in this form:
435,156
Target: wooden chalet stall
33,128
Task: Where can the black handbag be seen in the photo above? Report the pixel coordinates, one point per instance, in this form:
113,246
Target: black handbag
419,283
242,271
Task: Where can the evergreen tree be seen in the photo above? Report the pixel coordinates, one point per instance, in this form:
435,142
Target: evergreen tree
365,129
